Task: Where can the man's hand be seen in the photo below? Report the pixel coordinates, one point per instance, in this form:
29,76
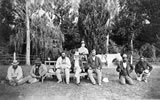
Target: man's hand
38,77
89,68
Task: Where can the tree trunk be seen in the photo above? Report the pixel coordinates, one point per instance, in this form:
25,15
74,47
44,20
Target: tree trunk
154,52
107,44
27,35
132,51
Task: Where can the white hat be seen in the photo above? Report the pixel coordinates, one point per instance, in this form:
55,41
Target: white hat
82,42
15,62
124,55
105,80
76,54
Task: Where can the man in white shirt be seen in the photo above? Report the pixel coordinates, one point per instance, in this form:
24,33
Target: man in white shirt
63,64
77,67
14,74
83,51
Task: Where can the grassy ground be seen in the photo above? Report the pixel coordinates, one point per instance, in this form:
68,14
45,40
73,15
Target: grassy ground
50,90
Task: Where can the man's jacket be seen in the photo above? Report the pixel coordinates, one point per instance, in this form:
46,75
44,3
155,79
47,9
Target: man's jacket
42,70
94,64
141,66
17,73
124,71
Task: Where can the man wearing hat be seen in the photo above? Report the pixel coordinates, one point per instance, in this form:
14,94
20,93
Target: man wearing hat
14,74
37,72
125,68
83,51
63,64
77,67
95,65
143,69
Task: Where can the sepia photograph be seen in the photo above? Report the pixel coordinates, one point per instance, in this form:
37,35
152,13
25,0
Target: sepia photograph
79,49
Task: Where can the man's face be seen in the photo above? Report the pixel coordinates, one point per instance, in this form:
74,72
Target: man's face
76,57
93,53
83,45
15,66
124,59
38,64
141,59
63,55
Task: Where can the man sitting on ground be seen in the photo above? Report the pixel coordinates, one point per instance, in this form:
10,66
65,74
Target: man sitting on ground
125,68
95,65
15,74
63,64
143,70
37,72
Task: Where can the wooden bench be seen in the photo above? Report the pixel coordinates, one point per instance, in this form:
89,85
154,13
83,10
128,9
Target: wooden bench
52,69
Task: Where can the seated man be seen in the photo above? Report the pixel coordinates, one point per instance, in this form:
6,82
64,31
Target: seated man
63,64
15,74
95,65
37,72
77,67
124,68
83,51
143,69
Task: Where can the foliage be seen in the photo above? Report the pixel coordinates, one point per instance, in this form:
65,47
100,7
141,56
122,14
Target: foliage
64,23
93,25
6,20
146,50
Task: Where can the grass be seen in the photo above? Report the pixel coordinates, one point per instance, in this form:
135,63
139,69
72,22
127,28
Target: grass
50,90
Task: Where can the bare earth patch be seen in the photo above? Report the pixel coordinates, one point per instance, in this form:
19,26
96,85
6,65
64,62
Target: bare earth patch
50,90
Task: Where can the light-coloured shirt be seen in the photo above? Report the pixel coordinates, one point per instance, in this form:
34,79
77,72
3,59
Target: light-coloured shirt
124,65
76,64
14,73
94,58
83,50
63,63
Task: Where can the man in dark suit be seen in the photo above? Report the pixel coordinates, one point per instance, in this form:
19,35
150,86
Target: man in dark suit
143,69
125,68
95,65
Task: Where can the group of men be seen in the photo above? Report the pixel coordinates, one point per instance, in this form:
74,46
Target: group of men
142,70
94,65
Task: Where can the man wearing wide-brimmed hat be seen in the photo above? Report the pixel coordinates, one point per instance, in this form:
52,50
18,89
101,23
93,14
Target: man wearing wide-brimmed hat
14,73
37,72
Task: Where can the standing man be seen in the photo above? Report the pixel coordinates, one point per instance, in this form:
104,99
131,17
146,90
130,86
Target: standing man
95,65
63,64
14,74
83,51
125,68
143,70
77,67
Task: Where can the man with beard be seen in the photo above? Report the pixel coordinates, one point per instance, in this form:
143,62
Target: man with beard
143,70
15,74
95,66
63,65
125,68
37,72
